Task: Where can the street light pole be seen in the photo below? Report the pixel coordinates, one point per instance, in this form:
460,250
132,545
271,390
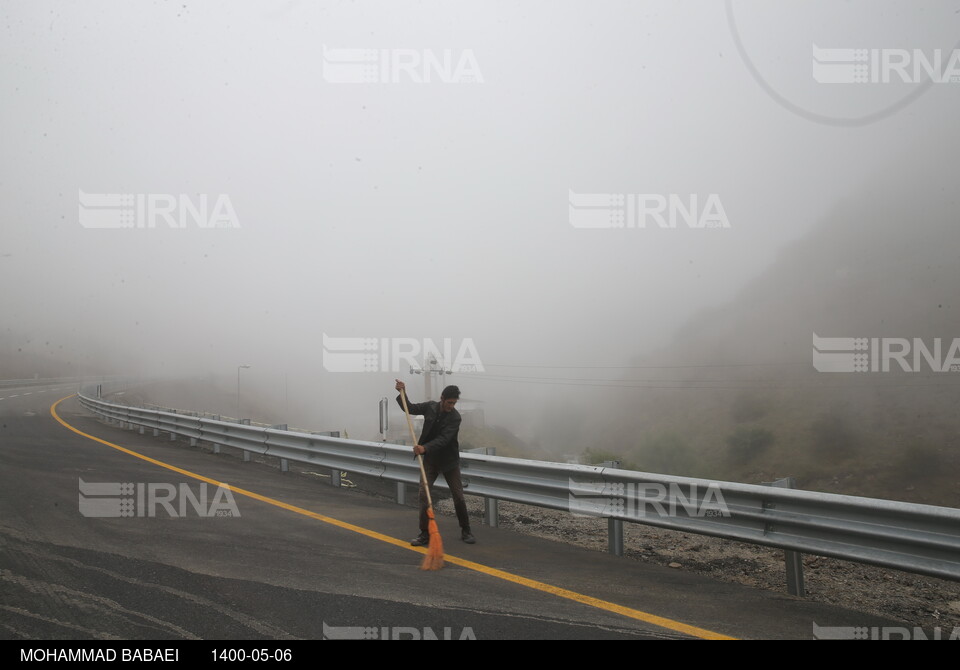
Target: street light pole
239,367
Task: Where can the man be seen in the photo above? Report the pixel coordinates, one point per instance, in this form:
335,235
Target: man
441,455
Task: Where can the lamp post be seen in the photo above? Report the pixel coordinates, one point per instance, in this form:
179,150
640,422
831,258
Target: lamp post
239,367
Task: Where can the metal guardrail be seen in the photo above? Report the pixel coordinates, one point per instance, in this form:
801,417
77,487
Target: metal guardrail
916,538
38,381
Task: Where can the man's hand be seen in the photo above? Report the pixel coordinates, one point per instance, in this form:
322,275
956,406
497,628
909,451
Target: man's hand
418,450
400,385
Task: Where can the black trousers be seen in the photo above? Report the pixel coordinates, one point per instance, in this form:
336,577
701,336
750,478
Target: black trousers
452,477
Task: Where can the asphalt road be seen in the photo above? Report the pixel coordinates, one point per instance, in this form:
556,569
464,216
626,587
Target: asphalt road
285,556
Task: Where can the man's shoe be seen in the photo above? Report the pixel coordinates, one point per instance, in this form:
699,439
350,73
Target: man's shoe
468,537
421,540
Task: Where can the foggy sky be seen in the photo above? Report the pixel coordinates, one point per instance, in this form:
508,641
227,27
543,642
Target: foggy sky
433,210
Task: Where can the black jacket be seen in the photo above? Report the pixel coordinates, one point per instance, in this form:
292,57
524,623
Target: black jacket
442,448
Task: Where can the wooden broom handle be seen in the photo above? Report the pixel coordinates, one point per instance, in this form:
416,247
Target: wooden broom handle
423,473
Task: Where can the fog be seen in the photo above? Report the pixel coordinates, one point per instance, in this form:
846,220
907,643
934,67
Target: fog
401,209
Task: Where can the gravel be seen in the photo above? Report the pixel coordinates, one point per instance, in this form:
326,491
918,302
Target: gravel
915,600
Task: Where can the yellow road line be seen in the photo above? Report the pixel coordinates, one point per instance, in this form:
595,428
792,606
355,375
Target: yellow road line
493,572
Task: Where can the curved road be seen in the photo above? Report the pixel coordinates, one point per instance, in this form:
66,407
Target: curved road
172,556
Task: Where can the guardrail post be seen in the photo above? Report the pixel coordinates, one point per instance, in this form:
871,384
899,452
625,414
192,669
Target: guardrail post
401,486
173,436
335,477
614,526
491,512
793,559
491,507
156,432
193,441
246,456
141,430
615,536
284,465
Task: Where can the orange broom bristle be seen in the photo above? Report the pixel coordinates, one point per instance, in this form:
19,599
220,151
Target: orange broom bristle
433,560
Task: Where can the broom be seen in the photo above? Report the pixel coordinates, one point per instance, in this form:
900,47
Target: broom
433,559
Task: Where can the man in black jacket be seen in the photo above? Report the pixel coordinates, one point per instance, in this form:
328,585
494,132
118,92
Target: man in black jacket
441,455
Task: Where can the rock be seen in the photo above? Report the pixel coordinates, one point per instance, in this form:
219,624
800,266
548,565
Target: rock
674,564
